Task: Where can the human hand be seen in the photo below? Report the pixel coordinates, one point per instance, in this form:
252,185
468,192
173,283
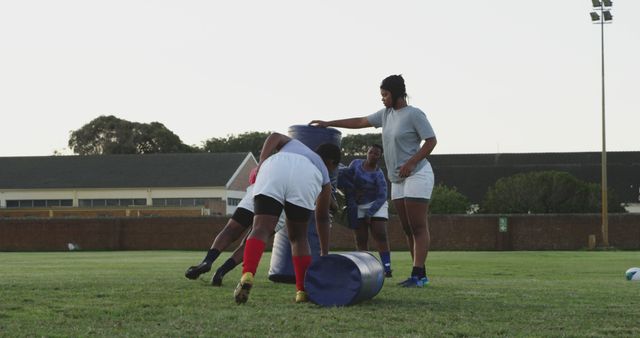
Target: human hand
406,169
319,123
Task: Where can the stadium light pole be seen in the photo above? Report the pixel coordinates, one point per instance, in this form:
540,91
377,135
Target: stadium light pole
604,7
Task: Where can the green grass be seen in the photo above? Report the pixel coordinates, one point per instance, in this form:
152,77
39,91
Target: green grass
486,294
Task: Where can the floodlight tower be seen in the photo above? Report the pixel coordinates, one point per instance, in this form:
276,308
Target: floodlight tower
604,17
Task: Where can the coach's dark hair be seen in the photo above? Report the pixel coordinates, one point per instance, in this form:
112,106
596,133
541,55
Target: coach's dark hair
375,145
395,85
329,151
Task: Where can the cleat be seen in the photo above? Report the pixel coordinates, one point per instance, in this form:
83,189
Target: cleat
216,280
241,293
301,297
415,282
387,274
193,272
406,281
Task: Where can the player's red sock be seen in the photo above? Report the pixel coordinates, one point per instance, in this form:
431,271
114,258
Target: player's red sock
252,253
300,265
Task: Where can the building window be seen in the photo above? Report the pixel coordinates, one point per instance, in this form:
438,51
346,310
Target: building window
172,202
111,202
139,201
38,203
53,203
26,204
98,203
233,201
179,202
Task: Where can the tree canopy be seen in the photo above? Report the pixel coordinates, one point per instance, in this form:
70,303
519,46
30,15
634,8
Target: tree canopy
352,145
111,135
445,200
357,145
250,141
546,192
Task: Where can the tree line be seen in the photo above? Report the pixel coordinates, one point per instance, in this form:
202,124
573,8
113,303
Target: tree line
111,135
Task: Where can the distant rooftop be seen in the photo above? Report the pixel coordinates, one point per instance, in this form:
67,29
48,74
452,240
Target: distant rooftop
119,171
473,174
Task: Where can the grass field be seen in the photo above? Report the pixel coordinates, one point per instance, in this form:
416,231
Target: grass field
484,294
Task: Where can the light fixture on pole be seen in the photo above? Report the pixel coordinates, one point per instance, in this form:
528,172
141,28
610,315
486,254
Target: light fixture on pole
604,7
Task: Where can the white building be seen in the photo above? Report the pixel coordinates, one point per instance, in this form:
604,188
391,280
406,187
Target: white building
213,182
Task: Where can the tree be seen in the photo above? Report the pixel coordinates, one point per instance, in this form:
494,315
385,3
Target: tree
545,192
357,145
249,141
445,200
111,135
352,145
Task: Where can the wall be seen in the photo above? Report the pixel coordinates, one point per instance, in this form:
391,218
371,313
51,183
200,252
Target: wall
146,193
454,232
215,206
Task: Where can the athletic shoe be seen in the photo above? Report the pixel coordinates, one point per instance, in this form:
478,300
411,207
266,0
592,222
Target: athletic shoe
387,274
243,288
415,282
301,297
406,281
193,272
216,280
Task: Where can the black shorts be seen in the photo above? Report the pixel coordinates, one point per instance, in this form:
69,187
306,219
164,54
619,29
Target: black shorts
265,205
243,216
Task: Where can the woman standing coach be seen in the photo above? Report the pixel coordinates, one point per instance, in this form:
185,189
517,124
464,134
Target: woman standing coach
404,127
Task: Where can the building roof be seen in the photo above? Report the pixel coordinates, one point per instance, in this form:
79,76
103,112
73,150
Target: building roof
120,171
473,174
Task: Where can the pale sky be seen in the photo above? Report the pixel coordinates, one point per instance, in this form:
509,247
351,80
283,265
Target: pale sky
492,76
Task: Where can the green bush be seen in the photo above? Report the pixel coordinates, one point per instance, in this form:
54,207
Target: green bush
545,192
445,200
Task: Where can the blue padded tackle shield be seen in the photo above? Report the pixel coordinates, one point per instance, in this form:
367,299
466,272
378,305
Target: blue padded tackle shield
344,279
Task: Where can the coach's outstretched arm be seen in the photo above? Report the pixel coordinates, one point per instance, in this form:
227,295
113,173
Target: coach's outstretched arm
350,123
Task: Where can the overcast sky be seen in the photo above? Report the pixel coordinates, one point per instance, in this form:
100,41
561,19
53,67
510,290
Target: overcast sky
492,76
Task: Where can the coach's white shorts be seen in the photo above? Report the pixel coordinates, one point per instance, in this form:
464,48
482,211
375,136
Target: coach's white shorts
247,203
289,177
418,185
383,212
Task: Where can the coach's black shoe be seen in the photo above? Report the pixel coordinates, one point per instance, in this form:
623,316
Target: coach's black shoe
193,272
216,280
415,282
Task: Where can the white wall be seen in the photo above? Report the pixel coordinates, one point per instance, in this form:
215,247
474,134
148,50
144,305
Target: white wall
76,194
